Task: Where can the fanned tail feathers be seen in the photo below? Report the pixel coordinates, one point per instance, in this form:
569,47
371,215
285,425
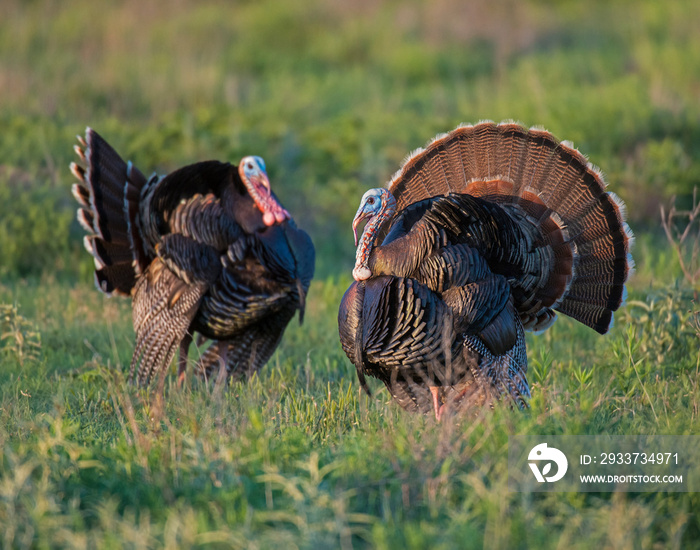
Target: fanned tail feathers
108,192
549,185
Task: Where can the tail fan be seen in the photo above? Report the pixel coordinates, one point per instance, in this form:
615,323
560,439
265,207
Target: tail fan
108,192
554,187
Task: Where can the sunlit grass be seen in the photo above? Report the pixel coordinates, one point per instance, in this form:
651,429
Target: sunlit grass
299,455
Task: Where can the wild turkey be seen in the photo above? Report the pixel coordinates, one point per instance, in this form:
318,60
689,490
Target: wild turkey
207,248
479,237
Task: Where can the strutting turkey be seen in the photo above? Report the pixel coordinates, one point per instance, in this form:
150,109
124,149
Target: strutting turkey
207,248
479,237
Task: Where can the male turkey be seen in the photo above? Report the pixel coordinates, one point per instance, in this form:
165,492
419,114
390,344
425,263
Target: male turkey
207,248
479,237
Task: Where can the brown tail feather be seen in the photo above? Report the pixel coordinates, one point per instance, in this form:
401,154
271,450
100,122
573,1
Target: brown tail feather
106,276
107,253
86,220
81,194
108,193
559,192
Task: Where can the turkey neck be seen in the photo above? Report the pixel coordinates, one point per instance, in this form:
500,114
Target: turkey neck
366,245
238,202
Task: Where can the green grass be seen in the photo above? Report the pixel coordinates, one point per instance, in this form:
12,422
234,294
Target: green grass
333,95
299,456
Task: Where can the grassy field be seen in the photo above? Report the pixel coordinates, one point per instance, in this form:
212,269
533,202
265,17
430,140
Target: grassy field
333,95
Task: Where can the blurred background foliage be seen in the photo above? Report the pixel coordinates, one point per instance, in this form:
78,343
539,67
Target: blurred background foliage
333,94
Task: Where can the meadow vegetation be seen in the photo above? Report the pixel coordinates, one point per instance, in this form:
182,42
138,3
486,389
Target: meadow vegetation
333,95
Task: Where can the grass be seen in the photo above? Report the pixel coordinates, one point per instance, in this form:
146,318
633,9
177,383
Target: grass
333,95
299,456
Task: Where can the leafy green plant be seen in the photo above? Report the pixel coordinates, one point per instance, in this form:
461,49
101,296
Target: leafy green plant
19,338
661,324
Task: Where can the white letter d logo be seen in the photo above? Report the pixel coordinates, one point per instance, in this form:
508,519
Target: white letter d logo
550,454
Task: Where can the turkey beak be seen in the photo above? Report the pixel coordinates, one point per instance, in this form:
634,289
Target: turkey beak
359,218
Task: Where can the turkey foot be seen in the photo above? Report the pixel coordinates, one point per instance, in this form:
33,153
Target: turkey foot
439,409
